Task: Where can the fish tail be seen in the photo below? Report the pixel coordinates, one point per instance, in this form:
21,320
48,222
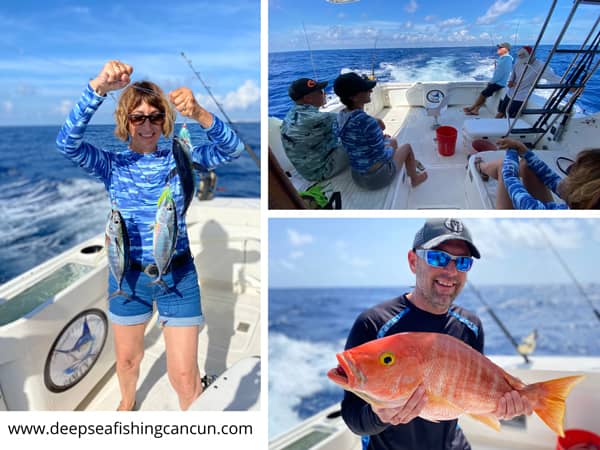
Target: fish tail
552,395
121,293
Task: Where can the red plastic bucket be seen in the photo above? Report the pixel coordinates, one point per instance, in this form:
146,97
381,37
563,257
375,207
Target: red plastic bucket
483,145
574,437
446,138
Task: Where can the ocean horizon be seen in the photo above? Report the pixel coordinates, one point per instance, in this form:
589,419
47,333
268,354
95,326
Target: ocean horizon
406,64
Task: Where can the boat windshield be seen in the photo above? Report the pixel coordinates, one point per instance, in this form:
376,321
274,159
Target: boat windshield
34,298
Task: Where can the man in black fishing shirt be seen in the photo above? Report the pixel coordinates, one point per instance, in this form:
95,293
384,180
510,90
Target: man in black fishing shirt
441,255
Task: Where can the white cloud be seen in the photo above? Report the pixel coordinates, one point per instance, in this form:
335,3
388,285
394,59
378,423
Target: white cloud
296,254
411,7
247,95
341,15
347,257
8,106
524,234
453,22
430,18
298,239
65,107
499,8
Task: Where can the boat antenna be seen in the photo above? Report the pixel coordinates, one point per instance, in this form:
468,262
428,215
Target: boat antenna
246,146
499,322
517,33
570,273
312,61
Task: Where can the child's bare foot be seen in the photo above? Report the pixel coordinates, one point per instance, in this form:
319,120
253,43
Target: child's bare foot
418,179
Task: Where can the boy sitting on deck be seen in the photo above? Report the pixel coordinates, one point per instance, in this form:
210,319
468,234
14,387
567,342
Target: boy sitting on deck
308,135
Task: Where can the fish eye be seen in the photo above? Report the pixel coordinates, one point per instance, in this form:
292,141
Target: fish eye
387,359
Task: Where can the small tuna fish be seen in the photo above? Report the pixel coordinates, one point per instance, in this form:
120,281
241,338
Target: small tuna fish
182,153
165,234
117,243
457,379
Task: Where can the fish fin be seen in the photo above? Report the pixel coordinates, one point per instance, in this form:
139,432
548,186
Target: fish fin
447,405
551,404
120,293
487,419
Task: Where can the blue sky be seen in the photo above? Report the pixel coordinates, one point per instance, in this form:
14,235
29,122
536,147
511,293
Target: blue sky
372,252
50,49
415,23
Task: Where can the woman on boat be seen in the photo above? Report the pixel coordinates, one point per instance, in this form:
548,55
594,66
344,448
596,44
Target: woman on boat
374,157
135,179
580,189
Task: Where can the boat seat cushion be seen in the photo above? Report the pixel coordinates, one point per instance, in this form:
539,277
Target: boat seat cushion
489,127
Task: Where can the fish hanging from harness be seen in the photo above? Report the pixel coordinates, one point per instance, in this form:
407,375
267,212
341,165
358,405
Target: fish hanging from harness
117,244
188,170
184,166
165,235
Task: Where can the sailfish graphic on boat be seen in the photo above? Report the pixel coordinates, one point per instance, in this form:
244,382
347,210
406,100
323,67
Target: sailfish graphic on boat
86,338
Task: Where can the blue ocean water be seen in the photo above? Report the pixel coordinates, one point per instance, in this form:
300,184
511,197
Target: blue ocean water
307,327
402,64
48,204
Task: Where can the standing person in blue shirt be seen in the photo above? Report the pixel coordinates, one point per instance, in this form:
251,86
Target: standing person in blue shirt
498,81
135,179
308,135
375,158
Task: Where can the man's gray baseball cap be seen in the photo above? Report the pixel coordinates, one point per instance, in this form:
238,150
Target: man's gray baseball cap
436,231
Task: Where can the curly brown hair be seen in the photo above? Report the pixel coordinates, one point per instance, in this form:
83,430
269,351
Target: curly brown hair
581,188
132,97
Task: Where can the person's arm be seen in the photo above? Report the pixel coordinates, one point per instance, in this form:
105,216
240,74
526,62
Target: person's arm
225,145
114,75
70,142
374,137
519,196
542,171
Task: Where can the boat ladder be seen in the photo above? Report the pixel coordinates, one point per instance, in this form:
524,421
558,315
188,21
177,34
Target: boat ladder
581,68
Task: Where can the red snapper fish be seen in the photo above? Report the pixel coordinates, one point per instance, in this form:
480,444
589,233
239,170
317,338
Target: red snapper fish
457,379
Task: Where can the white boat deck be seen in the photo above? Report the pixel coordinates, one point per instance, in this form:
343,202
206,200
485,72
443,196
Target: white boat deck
449,185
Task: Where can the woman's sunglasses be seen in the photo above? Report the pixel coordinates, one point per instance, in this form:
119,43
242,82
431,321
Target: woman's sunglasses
438,258
139,119
564,164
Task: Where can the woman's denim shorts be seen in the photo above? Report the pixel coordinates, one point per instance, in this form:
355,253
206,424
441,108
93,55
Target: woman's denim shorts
179,306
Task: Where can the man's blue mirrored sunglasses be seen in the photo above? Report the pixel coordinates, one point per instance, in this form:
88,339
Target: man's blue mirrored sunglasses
438,258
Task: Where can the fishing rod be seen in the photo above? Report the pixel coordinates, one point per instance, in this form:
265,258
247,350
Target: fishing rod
246,146
373,61
498,322
310,52
569,272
